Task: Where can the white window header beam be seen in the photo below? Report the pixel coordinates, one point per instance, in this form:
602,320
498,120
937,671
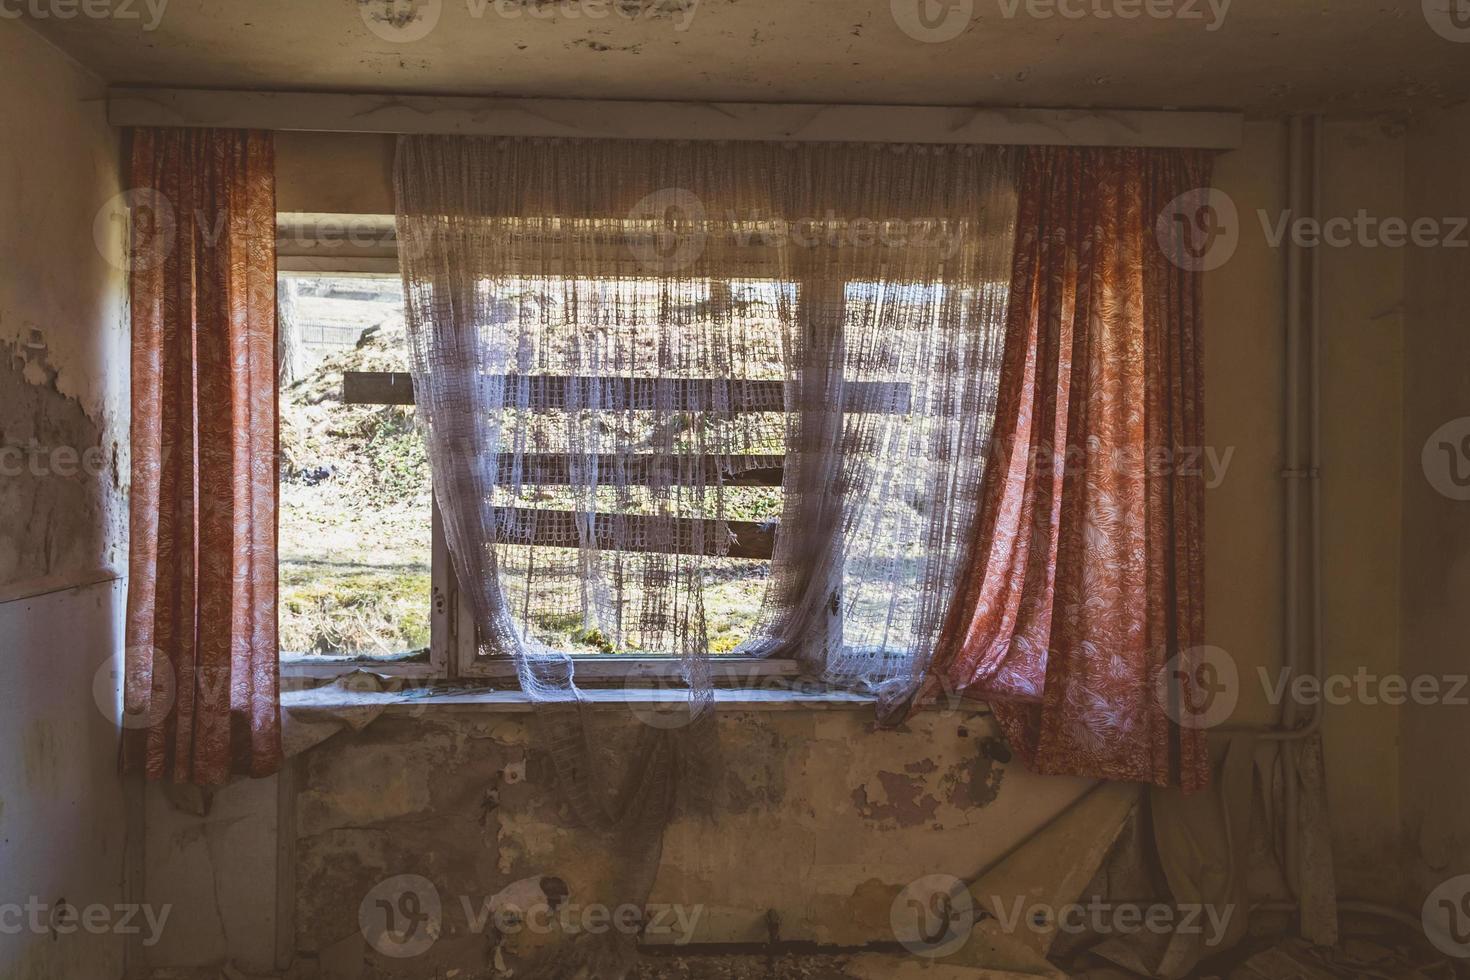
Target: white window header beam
588,119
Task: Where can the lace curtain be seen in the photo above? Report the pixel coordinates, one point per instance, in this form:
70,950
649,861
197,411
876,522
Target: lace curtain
613,341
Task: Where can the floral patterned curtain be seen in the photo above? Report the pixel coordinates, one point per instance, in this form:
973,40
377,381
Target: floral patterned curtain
1086,578
201,687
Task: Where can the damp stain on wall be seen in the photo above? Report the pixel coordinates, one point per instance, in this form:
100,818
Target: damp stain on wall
900,798
60,475
974,782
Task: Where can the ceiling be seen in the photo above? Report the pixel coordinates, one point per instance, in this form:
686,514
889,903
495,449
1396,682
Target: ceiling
1262,56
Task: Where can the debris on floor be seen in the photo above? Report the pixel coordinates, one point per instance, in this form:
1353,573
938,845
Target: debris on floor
1295,959
742,967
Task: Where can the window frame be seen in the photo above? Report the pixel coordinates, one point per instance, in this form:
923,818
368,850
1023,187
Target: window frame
443,602
307,256
330,244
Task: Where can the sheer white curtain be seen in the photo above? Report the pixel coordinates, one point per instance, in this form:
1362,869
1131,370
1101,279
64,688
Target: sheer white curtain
894,353
611,340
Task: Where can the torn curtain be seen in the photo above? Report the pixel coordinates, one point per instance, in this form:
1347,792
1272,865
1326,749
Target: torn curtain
201,686
1086,574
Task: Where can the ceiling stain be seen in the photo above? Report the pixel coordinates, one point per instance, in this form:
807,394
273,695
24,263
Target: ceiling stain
1355,56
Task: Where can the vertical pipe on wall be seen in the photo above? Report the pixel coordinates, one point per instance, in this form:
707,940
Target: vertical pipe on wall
1290,473
1291,452
1290,727
1314,433
1292,730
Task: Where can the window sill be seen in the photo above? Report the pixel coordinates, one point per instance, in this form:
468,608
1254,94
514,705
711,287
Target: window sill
591,668
304,703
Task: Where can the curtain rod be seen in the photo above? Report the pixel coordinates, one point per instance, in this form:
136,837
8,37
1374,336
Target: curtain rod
594,119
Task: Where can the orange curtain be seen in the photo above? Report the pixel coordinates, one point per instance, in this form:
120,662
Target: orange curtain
201,686
1087,574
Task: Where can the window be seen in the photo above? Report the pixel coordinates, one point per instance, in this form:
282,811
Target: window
365,571
357,553
365,577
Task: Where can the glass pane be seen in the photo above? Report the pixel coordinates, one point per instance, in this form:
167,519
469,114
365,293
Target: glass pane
634,459
355,506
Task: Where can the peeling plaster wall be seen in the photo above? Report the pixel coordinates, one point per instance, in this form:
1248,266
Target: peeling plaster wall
63,328
824,820
821,833
1436,528
63,384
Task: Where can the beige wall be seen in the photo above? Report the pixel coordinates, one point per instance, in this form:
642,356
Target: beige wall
1243,356
334,173
1362,297
1396,552
63,383
1362,324
1435,588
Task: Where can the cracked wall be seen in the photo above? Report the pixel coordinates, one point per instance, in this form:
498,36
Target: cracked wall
63,465
464,800
61,482
808,829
